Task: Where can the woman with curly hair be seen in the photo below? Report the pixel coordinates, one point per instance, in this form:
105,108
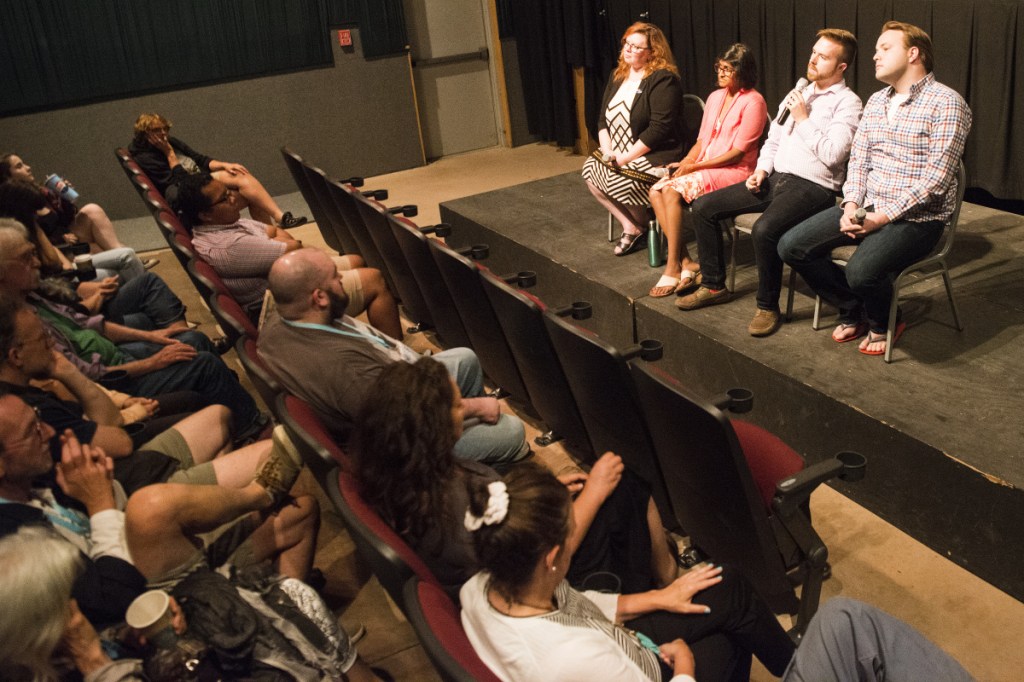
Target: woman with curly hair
402,449
639,127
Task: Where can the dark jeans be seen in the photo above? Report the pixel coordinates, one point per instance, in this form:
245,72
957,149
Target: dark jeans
785,201
739,624
864,287
205,374
145,302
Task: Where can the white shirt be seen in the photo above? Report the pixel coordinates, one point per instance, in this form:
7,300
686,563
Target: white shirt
817,149
542,648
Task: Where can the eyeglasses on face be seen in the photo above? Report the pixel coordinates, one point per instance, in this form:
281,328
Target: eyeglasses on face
633,47
725,69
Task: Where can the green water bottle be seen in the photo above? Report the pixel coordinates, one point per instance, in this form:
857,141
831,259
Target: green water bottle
655,245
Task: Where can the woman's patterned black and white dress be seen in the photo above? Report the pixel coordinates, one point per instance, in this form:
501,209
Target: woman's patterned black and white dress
618,187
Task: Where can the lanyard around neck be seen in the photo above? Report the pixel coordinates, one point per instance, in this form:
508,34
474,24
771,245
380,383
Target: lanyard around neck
355,333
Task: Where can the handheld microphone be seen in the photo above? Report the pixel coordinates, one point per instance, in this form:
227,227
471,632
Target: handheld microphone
784,114
859,215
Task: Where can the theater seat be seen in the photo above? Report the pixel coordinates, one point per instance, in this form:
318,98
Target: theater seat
435,619
387,554
319,450
740,492
416,248
265,383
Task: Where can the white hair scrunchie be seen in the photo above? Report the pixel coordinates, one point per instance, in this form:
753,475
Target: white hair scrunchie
497,508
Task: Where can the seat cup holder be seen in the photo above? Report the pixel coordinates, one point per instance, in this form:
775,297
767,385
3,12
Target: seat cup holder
440,230
581,310
355,181
648,349
524,279
854,465
377,194
476,252
735,400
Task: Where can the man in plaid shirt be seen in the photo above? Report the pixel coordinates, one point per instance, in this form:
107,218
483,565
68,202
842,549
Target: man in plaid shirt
902,171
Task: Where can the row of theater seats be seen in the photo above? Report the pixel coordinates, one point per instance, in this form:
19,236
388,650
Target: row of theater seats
738,491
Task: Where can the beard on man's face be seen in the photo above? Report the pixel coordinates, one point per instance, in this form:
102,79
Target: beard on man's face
339,302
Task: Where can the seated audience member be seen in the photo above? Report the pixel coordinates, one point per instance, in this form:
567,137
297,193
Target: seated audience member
242,251
332,360
850,641
167,160
153,362
40,569
402,447
527,623
22,200
157,530
62,220
902,172
801,167
724,154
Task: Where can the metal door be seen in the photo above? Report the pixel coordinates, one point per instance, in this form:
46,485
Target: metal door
452,74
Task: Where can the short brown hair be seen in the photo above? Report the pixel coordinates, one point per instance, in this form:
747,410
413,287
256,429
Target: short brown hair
844,39
914,36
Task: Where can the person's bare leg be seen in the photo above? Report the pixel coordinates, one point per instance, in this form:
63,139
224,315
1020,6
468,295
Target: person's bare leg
163,520
360,672
662,561
348,262
92,225
207,432
289,538
669,211
626,217
237,468
262,206
381,309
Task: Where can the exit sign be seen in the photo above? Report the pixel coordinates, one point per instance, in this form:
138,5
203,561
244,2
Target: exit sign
345,37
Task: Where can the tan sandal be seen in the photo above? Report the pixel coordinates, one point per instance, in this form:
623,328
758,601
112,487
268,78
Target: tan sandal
695,278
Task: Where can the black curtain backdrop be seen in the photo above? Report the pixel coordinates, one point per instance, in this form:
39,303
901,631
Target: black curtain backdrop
977,53
66,52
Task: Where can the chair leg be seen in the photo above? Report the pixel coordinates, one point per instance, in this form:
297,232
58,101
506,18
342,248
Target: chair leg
611,228
890,332
952,301
816,322
789,297
734,234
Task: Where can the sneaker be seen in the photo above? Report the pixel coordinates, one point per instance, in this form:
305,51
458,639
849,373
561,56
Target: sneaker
765,323
703,297
288,220
278,472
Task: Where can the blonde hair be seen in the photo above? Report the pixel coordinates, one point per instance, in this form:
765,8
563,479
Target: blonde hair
146,122
39,569
661,53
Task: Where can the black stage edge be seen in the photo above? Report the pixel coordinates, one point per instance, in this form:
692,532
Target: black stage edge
941,425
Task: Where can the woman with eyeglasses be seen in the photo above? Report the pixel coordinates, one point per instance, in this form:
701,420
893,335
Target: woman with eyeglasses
639,127
725,153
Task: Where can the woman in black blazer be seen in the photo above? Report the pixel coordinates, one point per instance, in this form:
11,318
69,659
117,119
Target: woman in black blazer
640,128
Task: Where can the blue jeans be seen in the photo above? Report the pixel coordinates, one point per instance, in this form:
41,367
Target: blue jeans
498,445
121,261
785,200
850,640
145,302
864,287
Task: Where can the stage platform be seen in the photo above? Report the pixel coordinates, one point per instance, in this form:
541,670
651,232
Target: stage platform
941,425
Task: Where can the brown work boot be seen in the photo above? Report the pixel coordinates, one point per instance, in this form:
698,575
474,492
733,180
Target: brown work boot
278,472
765,323
703,297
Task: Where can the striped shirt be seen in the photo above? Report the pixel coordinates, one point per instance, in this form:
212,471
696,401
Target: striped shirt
907,169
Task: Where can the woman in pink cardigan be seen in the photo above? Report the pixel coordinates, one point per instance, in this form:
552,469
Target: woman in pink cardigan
725,153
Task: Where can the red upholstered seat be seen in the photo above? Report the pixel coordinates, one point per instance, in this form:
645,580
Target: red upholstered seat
435,618
770,460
